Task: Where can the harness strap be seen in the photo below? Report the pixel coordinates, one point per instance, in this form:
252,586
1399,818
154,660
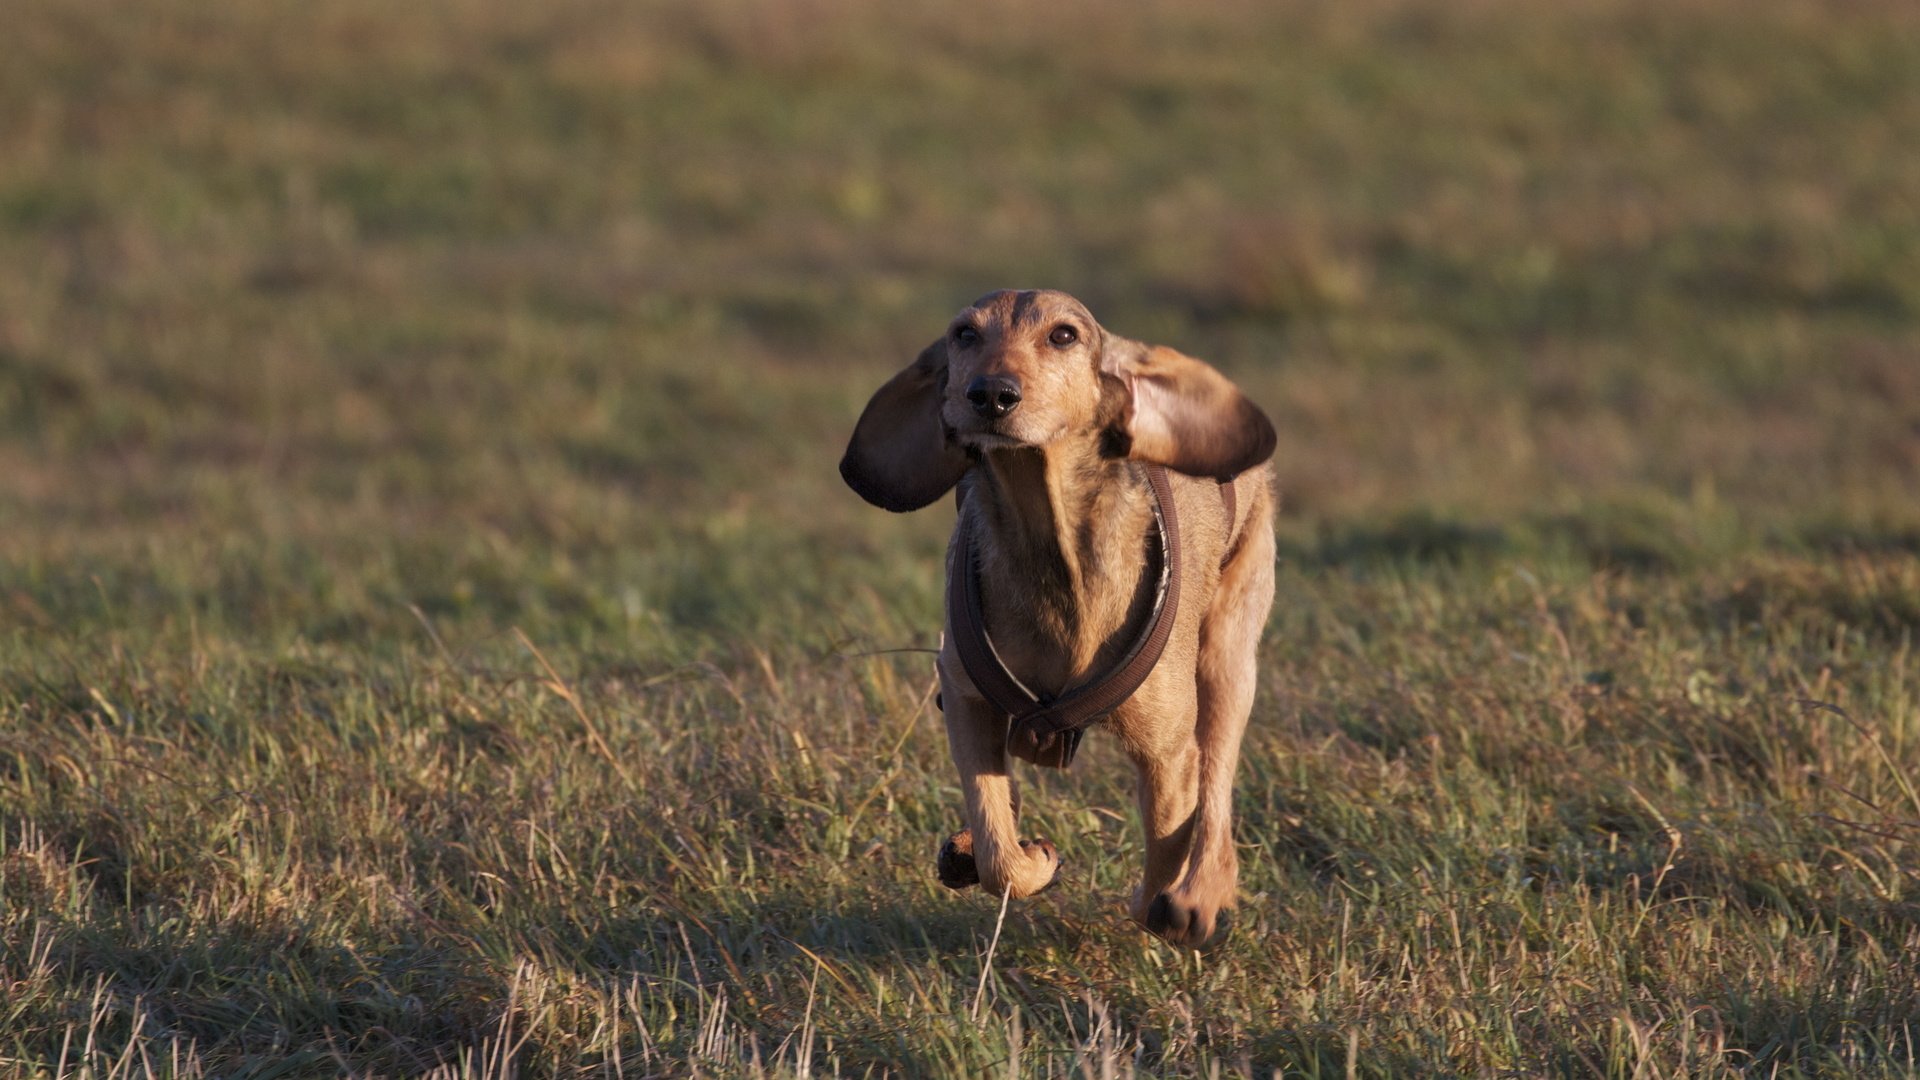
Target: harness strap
1047,730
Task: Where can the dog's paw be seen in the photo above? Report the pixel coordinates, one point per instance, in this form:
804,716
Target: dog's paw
955,864
1038,869
1045,850
1186,923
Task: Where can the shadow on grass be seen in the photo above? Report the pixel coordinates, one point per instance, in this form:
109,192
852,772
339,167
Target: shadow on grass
1843,539
1628,541
1419,537
1745,1029
249,994
1826,1031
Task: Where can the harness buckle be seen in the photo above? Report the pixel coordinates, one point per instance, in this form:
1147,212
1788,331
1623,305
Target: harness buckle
1034,738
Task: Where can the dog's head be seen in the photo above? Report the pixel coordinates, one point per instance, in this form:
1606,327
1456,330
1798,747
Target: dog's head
1034,369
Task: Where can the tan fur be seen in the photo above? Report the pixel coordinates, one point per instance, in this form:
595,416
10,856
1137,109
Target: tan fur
1060,519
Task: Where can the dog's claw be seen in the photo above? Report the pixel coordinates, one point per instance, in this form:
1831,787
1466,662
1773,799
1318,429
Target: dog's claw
1166,918
955,864
1180,924
1053,856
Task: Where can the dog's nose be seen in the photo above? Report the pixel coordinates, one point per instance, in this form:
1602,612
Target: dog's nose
993,397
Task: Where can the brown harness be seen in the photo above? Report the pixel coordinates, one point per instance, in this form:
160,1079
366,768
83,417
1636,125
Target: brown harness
1046,730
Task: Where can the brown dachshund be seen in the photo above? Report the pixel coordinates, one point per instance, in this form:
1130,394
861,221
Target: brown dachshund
1060,436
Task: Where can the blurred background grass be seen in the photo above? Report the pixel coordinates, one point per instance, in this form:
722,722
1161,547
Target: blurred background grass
340,337
446,302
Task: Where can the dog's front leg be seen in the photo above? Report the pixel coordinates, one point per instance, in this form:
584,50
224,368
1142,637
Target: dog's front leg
1000,861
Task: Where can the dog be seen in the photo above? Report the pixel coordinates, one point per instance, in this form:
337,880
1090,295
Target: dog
1073,451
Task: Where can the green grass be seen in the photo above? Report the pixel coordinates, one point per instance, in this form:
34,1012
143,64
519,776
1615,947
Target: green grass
433,633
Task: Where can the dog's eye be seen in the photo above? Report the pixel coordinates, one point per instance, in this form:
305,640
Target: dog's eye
966,335
1064,335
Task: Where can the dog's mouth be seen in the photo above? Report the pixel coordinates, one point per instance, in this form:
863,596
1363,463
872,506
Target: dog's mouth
987,440
978,433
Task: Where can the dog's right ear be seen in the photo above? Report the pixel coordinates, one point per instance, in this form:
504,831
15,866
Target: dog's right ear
900,458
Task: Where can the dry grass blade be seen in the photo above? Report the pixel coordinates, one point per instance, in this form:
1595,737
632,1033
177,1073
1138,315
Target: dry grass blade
566,693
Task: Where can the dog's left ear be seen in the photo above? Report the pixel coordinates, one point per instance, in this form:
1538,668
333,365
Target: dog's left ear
1162,406
900,458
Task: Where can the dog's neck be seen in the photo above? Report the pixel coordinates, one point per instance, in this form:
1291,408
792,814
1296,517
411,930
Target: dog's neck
1062,535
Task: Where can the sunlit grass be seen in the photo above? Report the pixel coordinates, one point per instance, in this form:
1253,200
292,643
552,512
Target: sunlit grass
433,635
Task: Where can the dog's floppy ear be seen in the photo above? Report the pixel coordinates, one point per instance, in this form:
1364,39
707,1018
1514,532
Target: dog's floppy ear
1162,406
899,458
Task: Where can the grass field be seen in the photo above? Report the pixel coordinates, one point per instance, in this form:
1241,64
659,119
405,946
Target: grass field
433,634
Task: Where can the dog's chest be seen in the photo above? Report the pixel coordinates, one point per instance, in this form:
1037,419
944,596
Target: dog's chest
1051,638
